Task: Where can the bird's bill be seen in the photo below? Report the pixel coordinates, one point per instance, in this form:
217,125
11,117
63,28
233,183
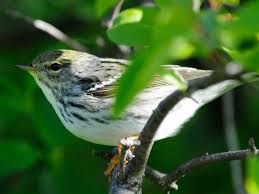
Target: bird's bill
28,67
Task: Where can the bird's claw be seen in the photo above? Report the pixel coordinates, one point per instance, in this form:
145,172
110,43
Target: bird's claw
129,142
124,153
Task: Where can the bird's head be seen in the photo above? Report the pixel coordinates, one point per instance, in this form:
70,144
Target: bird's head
60,70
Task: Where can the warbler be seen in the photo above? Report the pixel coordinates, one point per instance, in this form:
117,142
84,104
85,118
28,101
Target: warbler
81,88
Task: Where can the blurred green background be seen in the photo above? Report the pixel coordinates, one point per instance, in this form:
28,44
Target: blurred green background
37,154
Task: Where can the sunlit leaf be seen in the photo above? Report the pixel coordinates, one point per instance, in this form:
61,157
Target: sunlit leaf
181,48
140,72
133,27
129,16
136,77
170,40
231,2
16,155
175,78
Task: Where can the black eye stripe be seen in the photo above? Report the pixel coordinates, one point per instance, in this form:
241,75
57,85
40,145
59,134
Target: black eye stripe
64,65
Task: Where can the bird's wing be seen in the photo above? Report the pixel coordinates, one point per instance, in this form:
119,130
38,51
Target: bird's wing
113,68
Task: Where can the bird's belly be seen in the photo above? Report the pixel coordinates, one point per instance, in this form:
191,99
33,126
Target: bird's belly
98,127
98,130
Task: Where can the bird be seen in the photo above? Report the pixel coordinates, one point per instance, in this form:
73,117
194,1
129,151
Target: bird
81,88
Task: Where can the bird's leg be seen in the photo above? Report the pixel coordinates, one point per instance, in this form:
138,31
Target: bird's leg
124,154
114,161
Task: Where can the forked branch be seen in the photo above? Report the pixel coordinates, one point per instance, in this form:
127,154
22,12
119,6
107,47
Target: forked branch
169,180
200,91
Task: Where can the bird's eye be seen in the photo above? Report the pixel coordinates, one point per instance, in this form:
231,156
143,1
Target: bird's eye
55,66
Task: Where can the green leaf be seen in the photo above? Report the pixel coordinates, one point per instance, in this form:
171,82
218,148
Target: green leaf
133,27
102,6
170,40
165,3
231,2
139,73
175,78
129,16
181,48
144,15
244,25
16,156
162,2
131,34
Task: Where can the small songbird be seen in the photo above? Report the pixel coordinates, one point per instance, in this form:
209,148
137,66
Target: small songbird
81,88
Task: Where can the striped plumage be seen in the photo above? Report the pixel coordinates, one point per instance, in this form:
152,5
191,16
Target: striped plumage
81,88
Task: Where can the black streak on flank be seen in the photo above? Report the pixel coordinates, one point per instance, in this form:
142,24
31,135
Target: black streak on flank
61,101
76,105
62,113
79,117
64,105
70,121
100,120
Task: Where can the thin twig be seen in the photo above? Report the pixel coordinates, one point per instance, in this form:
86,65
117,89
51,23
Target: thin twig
49,29
201,161
125,50
115,13
158,177
154,175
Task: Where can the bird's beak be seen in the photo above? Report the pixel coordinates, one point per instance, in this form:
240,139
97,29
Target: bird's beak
28,68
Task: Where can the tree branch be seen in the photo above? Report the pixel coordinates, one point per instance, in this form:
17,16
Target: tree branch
200,92
201,161
168,181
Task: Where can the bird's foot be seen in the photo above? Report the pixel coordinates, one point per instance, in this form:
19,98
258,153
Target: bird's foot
124,154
